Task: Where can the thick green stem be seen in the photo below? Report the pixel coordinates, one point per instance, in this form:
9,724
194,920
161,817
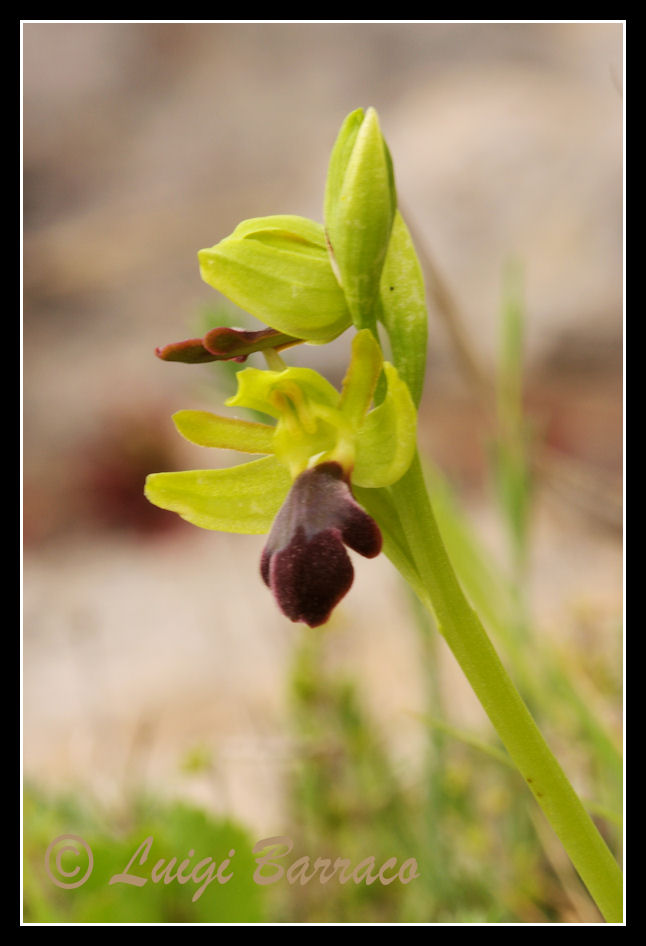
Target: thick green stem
477,657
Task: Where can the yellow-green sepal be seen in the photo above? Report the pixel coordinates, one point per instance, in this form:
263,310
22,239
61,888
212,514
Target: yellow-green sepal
242,499
387,439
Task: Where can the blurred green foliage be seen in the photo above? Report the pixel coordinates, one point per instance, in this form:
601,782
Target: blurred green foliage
466,820
176,829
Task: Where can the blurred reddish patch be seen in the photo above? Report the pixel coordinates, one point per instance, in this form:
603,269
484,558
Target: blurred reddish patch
97,485
114,469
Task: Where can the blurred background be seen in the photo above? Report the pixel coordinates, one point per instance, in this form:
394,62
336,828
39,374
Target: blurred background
163,692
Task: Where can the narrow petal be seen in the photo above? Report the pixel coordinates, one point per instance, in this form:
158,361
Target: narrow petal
241,498
229,433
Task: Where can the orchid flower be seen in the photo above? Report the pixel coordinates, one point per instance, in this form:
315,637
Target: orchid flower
322,443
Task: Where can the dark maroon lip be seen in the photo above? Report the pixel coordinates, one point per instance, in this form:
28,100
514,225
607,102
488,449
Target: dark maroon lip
305,562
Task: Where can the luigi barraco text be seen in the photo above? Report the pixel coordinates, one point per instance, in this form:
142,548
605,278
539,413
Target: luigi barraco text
271,868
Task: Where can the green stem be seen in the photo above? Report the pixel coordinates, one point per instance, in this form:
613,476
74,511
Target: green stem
491,683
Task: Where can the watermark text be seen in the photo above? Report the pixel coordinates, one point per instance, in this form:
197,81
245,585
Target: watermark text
273,865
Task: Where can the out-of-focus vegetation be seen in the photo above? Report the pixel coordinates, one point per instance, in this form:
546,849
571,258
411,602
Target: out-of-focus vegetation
114,839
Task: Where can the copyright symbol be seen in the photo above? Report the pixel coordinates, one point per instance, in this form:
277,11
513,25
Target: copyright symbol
53,859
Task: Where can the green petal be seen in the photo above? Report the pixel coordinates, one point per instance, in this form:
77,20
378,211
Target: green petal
242,498
387,440
229,433
403,308
278,269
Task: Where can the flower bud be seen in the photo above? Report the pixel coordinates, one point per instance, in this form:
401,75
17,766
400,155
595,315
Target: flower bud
278,269
360,204
225,344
